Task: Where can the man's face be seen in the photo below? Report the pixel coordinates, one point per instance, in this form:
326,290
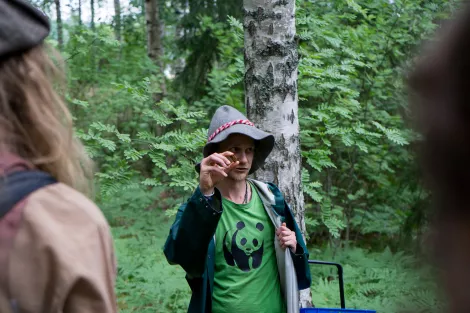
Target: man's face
244,148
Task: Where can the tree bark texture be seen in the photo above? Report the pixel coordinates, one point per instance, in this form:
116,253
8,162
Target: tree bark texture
117,19
271,62
80,12
154,38
93,47
92,6
60,32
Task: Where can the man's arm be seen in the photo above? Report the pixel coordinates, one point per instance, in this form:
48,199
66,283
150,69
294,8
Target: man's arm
192,231
301,255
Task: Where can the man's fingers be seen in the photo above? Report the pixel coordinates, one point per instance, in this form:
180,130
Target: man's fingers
290,243
219,170
286,239
222,161
229,168
284,228
283,233
229,156
233,165
213,161
227,153
218,159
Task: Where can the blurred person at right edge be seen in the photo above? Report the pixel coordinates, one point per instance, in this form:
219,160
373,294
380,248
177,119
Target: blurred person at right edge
56,249
440,97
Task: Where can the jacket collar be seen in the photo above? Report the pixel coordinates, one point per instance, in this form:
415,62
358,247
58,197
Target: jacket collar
270,195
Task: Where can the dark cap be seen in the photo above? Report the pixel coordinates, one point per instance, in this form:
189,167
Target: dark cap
22,27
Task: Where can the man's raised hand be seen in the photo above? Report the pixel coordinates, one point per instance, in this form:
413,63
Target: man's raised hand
214,169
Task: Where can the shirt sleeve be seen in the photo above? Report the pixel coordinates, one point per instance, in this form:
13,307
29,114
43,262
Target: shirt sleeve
194,226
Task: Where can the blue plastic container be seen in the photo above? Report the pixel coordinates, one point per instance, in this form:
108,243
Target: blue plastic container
318,310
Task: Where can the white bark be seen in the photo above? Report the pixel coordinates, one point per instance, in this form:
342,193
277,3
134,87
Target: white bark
117,19
154,39
271,62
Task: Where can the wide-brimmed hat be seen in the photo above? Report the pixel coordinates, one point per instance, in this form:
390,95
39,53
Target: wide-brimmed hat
22,27
227,121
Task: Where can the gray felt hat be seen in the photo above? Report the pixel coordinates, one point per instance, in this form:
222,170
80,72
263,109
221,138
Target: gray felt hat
227,121
22,27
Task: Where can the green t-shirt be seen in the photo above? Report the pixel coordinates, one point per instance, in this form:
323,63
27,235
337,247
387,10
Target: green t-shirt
246,275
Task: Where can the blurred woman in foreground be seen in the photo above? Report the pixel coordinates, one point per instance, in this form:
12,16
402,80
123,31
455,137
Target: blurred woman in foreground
56,250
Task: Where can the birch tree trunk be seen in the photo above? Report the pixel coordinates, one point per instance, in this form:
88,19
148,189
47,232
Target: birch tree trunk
117,19
154,40
60,32
271,62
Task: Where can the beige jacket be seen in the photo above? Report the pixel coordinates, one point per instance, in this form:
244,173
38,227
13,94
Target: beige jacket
62,257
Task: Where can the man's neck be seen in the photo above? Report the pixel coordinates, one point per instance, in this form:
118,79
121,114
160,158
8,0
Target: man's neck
234,190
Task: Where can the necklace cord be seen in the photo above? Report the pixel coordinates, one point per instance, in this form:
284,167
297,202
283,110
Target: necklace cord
245,200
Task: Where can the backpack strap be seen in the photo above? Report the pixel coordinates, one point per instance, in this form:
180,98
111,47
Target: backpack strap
18,185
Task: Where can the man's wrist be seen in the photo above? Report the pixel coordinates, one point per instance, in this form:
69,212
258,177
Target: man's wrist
207,192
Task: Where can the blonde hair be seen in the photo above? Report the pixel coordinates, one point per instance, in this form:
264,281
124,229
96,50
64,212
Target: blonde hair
35,123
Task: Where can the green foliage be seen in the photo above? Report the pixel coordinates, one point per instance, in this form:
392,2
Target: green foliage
380,281
171,154
146,282
201,44
353,107
359,177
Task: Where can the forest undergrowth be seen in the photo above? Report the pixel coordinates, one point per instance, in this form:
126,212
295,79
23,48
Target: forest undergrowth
376,280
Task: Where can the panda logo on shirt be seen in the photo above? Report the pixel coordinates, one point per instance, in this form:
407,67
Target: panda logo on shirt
245,247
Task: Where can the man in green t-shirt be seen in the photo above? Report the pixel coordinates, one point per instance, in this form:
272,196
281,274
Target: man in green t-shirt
236,237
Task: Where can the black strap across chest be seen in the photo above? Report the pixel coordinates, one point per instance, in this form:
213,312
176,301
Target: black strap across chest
18,185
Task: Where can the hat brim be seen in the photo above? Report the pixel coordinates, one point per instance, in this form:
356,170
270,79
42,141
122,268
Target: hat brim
264,143
23,27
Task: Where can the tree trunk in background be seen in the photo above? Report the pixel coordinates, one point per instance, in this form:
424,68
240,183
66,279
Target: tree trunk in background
117,19
60,33
271,62
80,12
154,41
93,28
92,7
